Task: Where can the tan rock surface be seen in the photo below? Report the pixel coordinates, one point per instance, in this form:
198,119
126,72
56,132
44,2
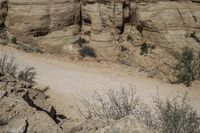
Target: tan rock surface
54,25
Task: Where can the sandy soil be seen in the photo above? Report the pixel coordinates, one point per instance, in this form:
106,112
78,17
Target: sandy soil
67,80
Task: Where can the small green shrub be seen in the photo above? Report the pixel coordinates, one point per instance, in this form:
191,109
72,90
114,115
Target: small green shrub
146,48
28,74
87,51
187,67
13,40
81,41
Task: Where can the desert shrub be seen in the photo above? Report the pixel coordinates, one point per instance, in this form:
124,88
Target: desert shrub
81,41
146,48
165,116
7,65
175,116
129,38
197,67
28,74
3,37
110,105
13,40
87,51
187,67
124,56
28,48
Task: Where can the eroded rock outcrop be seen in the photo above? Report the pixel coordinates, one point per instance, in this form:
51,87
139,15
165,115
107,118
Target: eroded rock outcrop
116,29
23,108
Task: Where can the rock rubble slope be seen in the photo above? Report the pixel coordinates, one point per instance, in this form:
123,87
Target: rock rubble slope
24,109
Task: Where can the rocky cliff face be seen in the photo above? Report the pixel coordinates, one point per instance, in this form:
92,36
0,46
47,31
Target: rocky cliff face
110,26
104,19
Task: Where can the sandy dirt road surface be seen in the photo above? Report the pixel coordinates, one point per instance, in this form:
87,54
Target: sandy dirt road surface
67,80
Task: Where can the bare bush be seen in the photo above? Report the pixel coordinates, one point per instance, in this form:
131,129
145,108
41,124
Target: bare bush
176,116
7,65
28,74
111,105
166,116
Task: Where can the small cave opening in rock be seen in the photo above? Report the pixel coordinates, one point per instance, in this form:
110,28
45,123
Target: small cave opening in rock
38,33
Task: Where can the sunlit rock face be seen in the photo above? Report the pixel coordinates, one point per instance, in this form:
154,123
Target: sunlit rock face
55,24
103,18
38,18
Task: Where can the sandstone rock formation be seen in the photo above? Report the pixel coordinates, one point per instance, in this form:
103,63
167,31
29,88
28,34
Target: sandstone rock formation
23,108
54,25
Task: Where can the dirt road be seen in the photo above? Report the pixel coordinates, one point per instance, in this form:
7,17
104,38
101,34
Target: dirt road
66,80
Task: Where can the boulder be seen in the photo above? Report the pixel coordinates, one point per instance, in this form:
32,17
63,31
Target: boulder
38,122
18,126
